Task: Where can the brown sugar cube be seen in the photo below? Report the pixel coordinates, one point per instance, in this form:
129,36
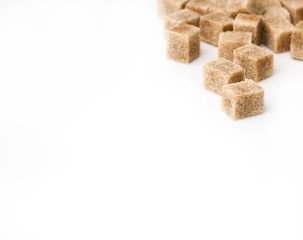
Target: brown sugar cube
257,62
211,25
220,3
183,43
296,47
260,6
234,7
207,6
250,23
169,6
218,6
277,35
182,16
277,29
277,14
295,8
242,100
220,72
229,41
199,6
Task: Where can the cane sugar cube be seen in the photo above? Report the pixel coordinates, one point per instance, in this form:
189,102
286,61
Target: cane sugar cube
257,62
218,6
211,25
182,16
277,35
296,47
219,3
220,72
277,29
169,6
199,6
207,6
250,23
183,43
234,7
229,41
295,7
260,6
276,14
242,100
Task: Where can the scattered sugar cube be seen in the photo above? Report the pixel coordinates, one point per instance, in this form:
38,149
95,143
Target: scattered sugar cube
218,6
257,62
234,7
211,25
260,6
277,29
277,35
242,100
182,16
169,6
296,47
229,41
277,14
220,72
250,23
295,7
199,6
183,43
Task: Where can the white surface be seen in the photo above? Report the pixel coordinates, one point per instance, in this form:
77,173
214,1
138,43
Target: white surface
101,137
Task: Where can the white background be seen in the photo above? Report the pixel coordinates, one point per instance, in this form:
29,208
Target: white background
102,137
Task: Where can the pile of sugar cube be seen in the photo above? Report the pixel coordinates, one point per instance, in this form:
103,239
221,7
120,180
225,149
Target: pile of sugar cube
238,28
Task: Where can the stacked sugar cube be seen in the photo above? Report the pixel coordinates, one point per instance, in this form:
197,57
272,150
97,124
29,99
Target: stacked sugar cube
238,28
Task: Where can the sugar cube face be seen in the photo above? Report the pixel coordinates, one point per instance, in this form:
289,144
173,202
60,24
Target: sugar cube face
199,6
260,6
211,25
277,29
295,7
277,35
276,14
229,41
220,72
183,43
169,6
250,23
296,47
257,62
182,16
218,6
234,7
242,100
